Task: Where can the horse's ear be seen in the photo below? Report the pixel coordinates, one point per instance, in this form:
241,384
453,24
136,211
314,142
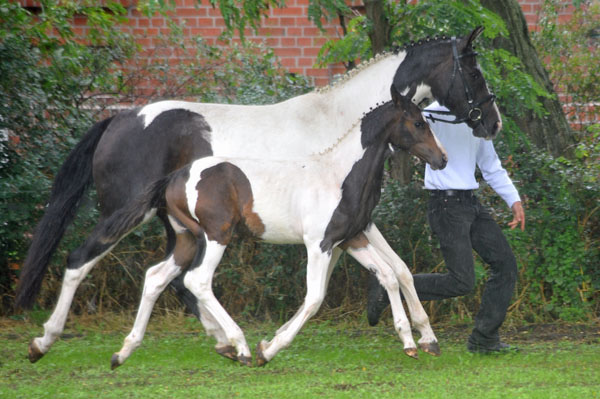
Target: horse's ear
395,94
472,37
397,98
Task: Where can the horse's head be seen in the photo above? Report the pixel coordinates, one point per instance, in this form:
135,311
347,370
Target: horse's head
446,70
411,133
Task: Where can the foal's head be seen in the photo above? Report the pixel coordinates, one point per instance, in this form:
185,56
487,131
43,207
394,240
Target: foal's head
410,132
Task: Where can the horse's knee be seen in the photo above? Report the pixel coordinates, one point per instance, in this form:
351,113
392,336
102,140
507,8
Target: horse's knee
201,288
388,280
91,251
405,278
74,276
313,304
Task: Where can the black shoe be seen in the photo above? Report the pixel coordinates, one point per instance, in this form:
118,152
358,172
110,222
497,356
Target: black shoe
377,300
499,347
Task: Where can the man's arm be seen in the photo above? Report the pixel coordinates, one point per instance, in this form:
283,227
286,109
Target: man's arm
497,177
518,216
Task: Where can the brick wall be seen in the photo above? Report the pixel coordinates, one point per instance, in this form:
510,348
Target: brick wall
295,40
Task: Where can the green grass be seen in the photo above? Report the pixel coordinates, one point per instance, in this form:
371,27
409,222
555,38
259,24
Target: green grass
325,361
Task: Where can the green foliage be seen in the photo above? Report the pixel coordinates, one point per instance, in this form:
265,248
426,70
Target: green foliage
53,85
570,50
410,22
326,9
559,253
46,75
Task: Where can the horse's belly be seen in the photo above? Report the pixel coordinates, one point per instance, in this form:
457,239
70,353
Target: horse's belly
277,210
292,206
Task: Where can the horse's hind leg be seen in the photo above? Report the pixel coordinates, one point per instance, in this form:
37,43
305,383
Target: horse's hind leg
80,262
157,279
78,267
428,342
199,281
368,257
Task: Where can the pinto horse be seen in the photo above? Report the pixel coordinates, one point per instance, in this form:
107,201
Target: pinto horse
324,201
124,154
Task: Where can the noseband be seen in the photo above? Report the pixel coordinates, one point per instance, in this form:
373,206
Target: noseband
474,112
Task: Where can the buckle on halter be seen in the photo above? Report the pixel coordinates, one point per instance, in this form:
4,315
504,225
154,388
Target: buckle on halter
475,114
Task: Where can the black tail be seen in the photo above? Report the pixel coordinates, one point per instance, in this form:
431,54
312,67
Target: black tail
70,184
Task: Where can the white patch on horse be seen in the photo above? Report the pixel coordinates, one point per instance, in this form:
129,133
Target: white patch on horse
178,227
423,91
151,111
196,169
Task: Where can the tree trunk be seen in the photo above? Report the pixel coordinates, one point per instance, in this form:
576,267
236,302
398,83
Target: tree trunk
551,132
380,32
401,168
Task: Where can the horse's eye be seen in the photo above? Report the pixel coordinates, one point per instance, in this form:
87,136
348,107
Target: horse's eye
475,75
419,124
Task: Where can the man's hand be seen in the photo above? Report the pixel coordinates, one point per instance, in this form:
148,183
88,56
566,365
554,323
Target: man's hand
518,216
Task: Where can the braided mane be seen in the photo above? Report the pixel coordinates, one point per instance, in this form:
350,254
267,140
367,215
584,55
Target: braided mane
408,47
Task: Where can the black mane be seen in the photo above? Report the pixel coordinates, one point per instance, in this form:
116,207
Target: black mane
374,121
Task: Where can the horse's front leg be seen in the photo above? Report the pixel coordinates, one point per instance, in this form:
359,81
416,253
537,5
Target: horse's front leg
420,320
316,278
335,256
367,256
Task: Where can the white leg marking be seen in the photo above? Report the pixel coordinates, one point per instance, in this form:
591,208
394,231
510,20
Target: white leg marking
417,312
212,327
157,279
334,258
199,282
370,259
56,323
317,272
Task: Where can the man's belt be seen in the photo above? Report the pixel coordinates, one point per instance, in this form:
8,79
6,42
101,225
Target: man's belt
451,193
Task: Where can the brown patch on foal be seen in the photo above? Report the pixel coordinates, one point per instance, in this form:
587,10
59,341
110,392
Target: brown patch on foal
356,242
224,200
186,246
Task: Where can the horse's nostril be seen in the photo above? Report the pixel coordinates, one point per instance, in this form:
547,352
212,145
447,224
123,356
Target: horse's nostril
497,126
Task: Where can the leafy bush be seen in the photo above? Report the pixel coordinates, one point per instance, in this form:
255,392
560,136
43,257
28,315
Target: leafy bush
46,76
54,85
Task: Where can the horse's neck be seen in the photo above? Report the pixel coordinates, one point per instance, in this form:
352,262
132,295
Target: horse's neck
349,99
350,149
326,115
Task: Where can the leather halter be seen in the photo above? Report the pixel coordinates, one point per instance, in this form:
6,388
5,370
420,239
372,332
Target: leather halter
474,112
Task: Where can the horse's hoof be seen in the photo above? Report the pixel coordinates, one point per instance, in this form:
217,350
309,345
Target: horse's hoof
227,351
114,361
433,348
261,360
245,360
34,352
412,352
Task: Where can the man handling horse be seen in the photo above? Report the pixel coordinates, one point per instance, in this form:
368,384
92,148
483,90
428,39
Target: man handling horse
461,223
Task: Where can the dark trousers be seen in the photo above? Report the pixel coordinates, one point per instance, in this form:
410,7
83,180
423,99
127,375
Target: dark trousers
462,224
